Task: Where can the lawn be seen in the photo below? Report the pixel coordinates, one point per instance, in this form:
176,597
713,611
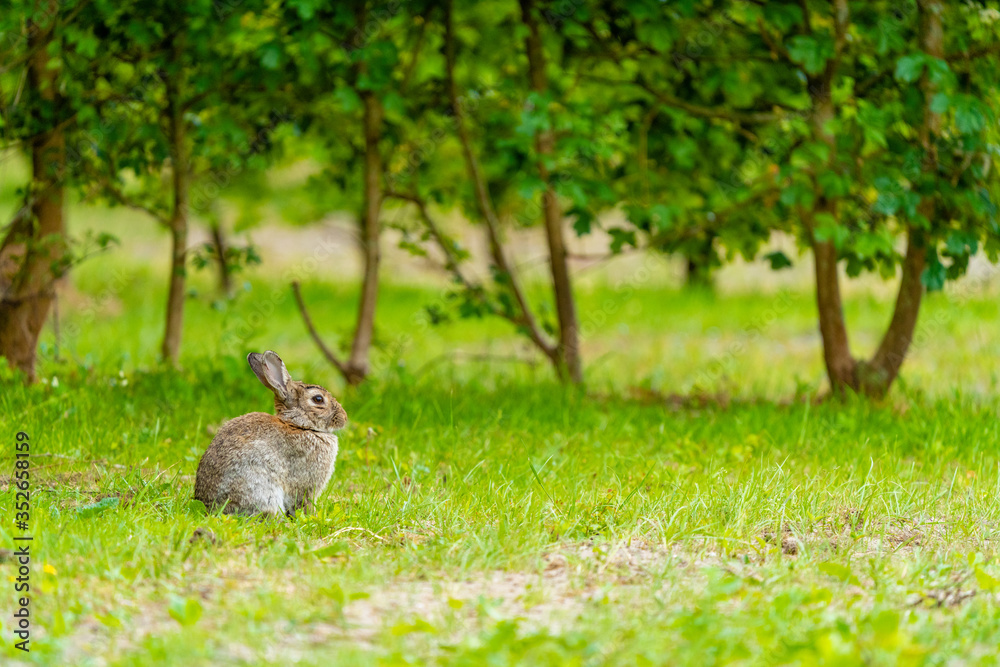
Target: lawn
695,505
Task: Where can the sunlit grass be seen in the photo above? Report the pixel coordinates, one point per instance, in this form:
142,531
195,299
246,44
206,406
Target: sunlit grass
481,513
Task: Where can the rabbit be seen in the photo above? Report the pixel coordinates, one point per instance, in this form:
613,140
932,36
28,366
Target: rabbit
273,464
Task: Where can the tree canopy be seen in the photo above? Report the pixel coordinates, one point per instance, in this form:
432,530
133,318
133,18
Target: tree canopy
865,130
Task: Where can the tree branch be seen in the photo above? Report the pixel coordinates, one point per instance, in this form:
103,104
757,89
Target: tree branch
777,49
841,21
30,53
412,65
327,352
734,116
119,196
806,19
988,50
668,241
483,198
452,261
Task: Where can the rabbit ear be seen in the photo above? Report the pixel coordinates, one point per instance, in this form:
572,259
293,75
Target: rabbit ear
270,370
277,366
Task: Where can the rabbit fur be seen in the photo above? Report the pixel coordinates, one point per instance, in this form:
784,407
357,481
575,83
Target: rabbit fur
273,464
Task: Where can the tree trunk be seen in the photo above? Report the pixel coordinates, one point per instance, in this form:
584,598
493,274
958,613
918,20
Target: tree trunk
13,246
219,246
840,365
877,376
25,304
178,224
356,367
569,334
358,363
698,265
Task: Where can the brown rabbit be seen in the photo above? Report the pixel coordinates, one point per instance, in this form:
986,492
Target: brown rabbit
273,464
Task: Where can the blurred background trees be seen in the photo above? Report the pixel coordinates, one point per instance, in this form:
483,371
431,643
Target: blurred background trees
866,131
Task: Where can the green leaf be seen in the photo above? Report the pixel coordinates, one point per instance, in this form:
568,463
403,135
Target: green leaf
778,260
887,203
838,571
196,506
394,103
885,624
530,186
533,121
418,625
582,221
334,592
331,550
986,581
86,43
811,52
305,8
833,184
870,244
935,274
828,229
657,34
911,200
349,100
662,216
940,103
185,611
783,16
109,620
909,68
939,72
796,193
270,56
99,507
621,237
969,118
961,244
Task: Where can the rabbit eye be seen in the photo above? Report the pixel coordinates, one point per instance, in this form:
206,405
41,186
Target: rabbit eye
318,399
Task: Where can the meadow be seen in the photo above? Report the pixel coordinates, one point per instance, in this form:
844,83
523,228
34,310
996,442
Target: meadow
698,503
664,201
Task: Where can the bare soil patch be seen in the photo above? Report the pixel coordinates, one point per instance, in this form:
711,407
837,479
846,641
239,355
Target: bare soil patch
568,579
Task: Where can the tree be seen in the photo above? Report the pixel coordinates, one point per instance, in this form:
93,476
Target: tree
347,61
841,148
34,248
880,157
519,311
569,333
198,105
698,179
505,109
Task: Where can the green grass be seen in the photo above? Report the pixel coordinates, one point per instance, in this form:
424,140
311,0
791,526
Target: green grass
492,516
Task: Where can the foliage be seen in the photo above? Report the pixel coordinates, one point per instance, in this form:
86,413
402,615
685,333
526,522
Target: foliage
709,124
205,66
